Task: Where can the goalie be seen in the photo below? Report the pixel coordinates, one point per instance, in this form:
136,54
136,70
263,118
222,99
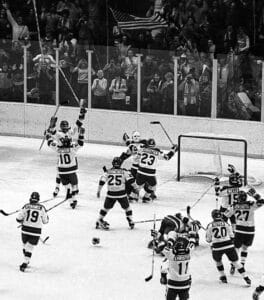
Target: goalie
65,130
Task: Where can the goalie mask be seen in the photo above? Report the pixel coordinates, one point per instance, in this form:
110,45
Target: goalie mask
64,126
34,197
136,137
117,162
235,180
180,245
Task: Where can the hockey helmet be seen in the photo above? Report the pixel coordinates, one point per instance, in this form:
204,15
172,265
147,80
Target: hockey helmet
242,196
235,180
136,136
34,197
151,143
180,245
64,126
117,162
216,214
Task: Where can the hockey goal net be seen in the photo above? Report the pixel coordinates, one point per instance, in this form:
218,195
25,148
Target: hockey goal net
208,155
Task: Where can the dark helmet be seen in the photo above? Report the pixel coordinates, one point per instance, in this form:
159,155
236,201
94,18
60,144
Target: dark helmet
151,142
242,196
66,142
181,245
235,180
64,126
216,214
117,162
34,197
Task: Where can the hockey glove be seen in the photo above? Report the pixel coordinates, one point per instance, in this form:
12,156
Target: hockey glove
154,233
231,169
251,192
125,137
53,121
175,148
98,194
163,278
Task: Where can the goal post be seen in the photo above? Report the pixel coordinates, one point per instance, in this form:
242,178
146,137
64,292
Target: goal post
216,146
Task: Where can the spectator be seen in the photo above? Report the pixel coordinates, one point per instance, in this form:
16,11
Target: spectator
129,64
18,82
131,98
189,105
82,78
155,94
99,89
123,47
65,25
118,89
110,70
148,69
44,59
5,28
222,81
242,41
5,82
19,31
4,57
229,39
167,91
49,20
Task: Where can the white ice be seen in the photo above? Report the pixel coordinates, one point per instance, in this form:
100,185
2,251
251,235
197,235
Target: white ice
69,267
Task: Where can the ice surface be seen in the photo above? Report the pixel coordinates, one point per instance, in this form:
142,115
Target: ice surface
69,267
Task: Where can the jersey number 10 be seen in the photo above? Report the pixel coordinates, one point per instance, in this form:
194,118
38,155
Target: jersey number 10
65,159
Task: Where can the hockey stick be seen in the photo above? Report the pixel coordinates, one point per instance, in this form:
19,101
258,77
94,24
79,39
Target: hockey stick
188,211
44,240
158,122
43,139
61,202
147,221
153,252
203,194
16,211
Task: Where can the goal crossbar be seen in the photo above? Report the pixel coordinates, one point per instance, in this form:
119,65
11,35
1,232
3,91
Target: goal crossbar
212,137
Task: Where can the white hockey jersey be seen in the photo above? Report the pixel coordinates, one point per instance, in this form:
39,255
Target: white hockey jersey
32,217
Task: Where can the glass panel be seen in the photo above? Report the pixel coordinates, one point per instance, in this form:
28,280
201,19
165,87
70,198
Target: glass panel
194,84
239,87
11,71
157,84
40,74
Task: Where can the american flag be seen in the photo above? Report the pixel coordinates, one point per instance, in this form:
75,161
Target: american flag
129,22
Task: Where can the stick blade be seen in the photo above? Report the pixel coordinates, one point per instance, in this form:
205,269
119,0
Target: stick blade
3,213
45,240
148,278
155,122
188,210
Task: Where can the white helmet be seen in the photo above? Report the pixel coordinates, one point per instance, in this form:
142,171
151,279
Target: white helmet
135,136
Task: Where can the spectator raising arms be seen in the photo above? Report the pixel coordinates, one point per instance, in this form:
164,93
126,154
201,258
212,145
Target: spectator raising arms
118,89
99,91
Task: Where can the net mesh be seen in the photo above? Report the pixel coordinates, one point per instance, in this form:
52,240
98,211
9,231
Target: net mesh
206,155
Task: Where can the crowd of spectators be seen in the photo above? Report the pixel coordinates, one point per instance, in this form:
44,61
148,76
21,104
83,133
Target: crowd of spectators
198,31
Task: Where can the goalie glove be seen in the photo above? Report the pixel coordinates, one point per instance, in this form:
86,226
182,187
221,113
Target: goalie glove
154,233
175,148
217,186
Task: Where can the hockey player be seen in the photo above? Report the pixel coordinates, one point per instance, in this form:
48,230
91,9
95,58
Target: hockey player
32,216
244,211
116,179
146,174
133,146
67,162
176,223
220,235
66,130
175,268
229,193
259,289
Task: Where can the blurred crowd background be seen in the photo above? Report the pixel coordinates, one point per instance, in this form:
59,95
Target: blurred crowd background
197,31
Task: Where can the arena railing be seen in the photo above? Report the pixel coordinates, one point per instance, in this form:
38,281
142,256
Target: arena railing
195,85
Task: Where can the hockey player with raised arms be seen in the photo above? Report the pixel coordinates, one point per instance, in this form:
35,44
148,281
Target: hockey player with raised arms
32,216
244,211
67,162
220,235
66,130
175,272
116,179
146,174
